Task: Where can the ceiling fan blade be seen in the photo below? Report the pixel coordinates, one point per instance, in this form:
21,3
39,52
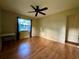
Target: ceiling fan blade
33,7
37,8
31,11
43,9
36,14
42,13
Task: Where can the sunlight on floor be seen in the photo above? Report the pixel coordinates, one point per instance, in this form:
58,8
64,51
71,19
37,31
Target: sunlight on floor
24,50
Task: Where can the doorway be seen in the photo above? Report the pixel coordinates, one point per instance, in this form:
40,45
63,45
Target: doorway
24,28
72,33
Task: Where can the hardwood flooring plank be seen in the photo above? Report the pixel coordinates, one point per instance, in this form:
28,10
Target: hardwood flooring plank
38,48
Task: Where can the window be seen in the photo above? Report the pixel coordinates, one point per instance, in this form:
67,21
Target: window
24,24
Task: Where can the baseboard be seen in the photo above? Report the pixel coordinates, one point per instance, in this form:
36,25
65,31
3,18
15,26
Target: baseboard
9,36
73,43
49,38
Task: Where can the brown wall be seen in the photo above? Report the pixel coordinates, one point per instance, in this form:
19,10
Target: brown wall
0,21
0,29
8,22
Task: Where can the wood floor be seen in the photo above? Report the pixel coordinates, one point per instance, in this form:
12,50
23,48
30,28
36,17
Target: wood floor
38,48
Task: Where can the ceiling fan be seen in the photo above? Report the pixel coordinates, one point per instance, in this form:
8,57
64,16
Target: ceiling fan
38,10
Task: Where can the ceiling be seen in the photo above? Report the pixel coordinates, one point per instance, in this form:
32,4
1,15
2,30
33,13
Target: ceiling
23,6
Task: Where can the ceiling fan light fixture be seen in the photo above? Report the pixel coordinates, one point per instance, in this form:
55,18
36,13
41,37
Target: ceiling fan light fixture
38,10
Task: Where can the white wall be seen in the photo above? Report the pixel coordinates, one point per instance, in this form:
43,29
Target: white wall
53,27
35,27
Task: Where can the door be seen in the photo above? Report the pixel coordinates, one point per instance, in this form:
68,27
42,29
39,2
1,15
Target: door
73,29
